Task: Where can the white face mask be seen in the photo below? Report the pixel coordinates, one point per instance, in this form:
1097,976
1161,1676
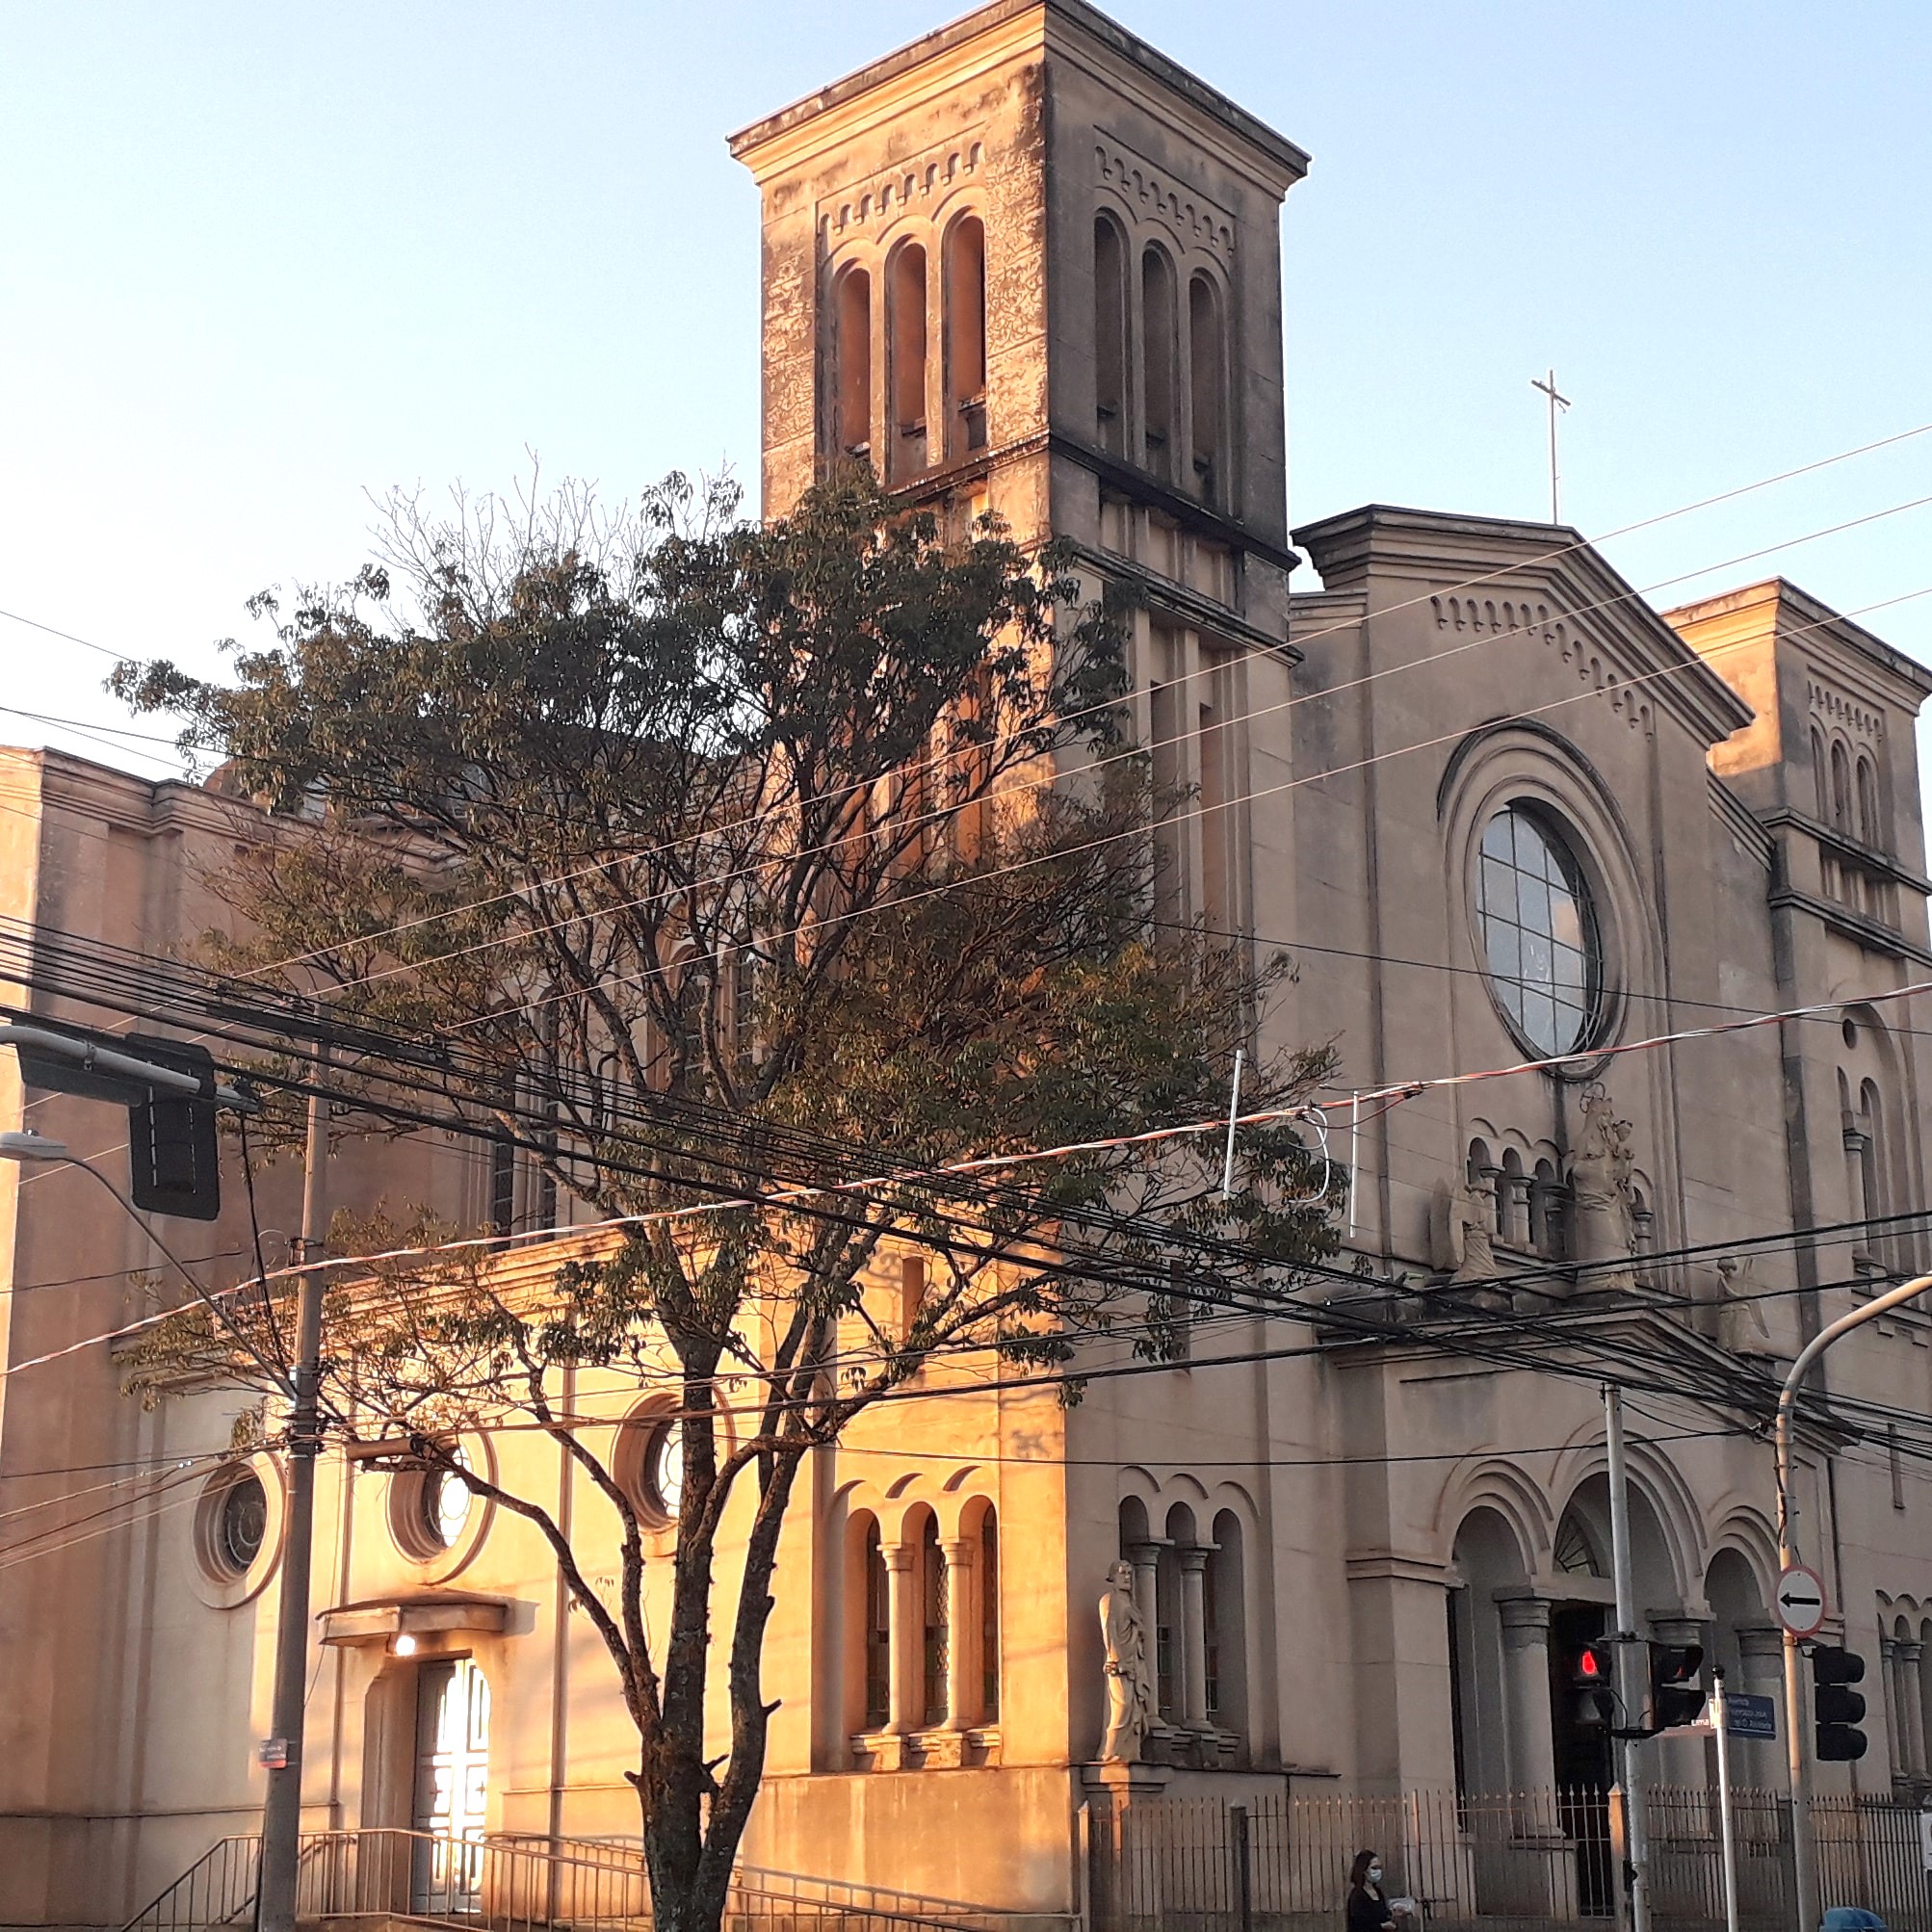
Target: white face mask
1374,1875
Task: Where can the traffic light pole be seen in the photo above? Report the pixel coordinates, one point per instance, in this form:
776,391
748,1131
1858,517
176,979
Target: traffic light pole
1627,1651
1797,1725
1720,1723
281,1815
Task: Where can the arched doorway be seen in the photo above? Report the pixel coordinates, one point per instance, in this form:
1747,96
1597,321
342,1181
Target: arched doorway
1488,1562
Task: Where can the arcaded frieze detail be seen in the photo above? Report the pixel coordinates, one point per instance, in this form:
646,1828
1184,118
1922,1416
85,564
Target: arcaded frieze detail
1141,184
1491,617
1859,719
903,186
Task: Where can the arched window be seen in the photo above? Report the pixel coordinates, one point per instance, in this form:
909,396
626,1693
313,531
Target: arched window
1226,1616
1157,344
1840,789
966,335
1206,387
934,1646
911,1292
851,362
1512,1203
1868,802
989,1618
1820,775
1872,1160
876,1632
1481,1171
1546,1211
906,360
1110,335
1921,1717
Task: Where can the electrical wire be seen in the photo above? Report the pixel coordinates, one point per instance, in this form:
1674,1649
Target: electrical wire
1548,556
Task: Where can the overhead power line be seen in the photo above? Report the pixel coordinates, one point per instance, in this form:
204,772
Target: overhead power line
1545,557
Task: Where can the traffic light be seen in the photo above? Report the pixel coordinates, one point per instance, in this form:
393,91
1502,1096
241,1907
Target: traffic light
174,1158
1835,1708
1676,1697
1593,1678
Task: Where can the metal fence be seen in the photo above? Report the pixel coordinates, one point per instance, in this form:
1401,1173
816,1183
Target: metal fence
1519,1862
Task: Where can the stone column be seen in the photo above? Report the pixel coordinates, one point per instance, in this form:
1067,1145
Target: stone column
1193,1638
1147,1560
1888,1678
1526,1692
904,1627
1910,1720
962,1637
1760,1670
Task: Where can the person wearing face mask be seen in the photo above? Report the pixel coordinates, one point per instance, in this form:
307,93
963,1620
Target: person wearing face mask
1368,1906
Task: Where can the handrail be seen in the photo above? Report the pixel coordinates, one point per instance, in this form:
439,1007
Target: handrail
225,1849
523,1882
772,1880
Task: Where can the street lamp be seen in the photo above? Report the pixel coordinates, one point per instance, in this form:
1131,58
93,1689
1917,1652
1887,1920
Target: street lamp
1797,1742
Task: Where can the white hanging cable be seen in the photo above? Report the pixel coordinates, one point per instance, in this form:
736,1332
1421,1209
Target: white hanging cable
1234,1114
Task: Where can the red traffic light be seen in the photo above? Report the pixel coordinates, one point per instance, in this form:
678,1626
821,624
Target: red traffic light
1589,1666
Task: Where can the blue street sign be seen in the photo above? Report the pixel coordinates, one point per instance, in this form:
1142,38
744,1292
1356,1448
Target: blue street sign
1750,1716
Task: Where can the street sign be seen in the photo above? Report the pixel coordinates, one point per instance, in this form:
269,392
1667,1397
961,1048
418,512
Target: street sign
1746,1715
1801,1600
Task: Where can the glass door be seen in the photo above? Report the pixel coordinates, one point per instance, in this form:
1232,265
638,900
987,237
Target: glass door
452,1786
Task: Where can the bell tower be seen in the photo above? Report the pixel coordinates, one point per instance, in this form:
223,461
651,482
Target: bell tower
1027,263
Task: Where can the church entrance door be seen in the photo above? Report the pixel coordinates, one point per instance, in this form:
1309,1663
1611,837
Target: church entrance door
452,1786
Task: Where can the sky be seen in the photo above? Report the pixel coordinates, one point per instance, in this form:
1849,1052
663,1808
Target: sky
260,264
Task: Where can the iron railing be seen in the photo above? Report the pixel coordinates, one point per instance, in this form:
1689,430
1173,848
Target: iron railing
521,1884
218,1889
1518,1862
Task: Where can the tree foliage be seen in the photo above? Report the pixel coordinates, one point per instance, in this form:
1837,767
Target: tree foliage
744,877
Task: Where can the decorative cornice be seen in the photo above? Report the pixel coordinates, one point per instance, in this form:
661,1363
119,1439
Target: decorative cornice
1854,925
1390,1566
1841,845
1201,612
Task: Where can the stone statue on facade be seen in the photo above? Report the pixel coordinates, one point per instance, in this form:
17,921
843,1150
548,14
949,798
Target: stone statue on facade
1741,1326
1460,1242
1603,1197
1129,1679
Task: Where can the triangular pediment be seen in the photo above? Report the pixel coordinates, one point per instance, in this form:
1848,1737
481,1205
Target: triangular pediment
1472,577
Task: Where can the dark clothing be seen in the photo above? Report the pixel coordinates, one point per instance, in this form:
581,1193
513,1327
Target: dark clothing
1368,1909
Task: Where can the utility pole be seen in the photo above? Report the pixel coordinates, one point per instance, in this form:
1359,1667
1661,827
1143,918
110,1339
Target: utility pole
281,1815
1797,1710
1627,1651
1556,401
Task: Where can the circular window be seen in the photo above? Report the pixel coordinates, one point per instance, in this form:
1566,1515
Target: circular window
435,1514
663,1468
241,1524
1539,935
237,1523
649,1461
444,1504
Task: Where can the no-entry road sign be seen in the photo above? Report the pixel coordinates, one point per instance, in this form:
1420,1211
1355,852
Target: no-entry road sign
1801,1600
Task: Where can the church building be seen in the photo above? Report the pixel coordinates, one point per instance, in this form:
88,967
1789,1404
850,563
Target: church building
1535,849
